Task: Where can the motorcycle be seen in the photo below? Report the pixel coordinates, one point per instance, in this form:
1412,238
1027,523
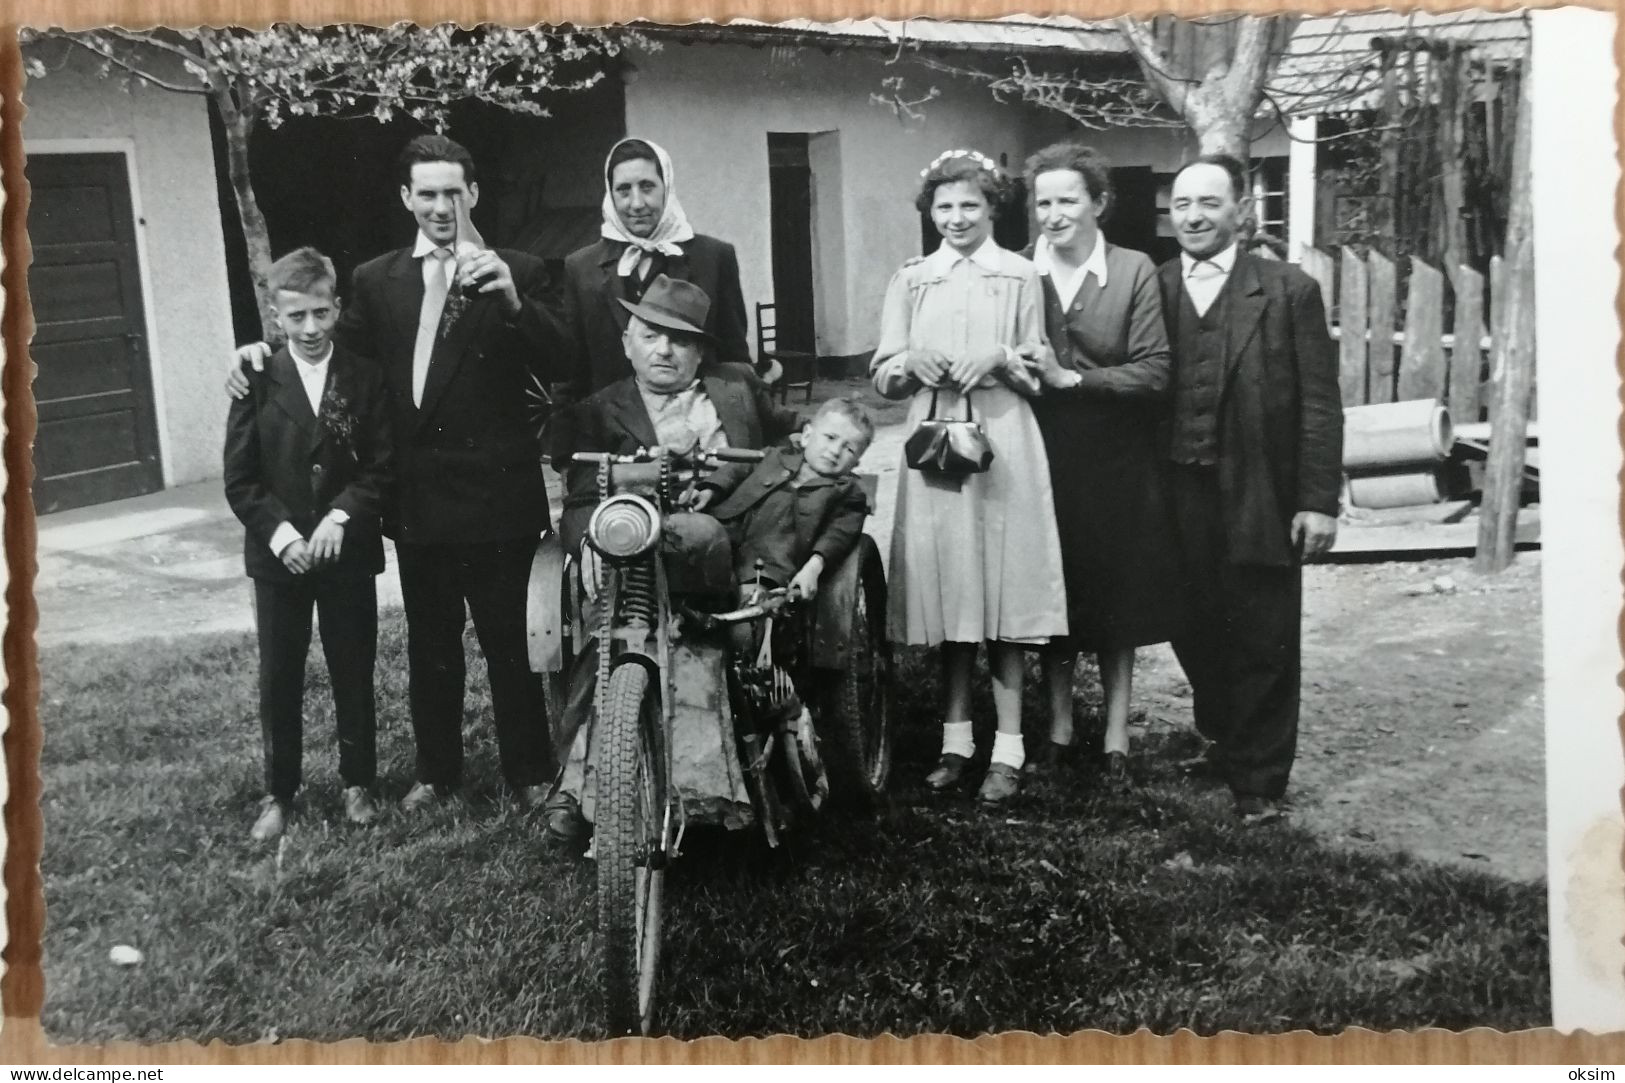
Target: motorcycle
707,711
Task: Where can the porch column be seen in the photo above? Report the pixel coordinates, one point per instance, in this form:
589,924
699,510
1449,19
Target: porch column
1300,186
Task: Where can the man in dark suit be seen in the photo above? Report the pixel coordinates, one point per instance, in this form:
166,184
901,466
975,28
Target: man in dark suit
307,466
462,335
1256,444
646,234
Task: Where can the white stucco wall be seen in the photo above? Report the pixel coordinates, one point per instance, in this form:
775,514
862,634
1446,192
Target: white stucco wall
165,137
712,106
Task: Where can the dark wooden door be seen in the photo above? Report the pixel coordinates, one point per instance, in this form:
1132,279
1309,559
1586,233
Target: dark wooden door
98,436
789,179
1132,221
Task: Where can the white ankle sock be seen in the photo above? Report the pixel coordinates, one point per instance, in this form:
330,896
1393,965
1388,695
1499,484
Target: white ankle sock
1008,750
957,739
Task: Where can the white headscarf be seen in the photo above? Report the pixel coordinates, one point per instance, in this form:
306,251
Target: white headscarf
671,229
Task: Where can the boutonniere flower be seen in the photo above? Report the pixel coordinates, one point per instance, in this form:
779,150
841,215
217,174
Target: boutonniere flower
339,418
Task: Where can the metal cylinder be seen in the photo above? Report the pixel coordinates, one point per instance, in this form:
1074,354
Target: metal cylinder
1392,435
1395,490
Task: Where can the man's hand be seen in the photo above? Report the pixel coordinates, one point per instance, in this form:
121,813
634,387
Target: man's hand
805,582
254,354
1313,533
295,556
929,367
697,499
326,541
492,275
967,372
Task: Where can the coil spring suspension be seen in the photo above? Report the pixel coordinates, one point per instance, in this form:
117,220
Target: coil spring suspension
637,594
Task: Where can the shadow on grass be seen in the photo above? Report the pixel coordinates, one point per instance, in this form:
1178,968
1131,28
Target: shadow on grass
1074,908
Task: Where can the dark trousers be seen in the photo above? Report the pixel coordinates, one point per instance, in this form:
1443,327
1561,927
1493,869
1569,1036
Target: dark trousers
1241,652
491,578
347,607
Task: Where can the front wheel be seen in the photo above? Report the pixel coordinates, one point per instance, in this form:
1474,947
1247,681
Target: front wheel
631,804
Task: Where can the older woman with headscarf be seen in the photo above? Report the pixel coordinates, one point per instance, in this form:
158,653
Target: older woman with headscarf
644,234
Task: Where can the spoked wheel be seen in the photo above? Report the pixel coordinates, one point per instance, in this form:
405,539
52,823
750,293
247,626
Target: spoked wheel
631,804
857,719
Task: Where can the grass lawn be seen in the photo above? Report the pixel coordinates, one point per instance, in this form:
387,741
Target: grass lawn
1072,909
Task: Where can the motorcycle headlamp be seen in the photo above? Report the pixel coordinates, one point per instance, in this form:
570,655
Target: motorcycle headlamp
624,526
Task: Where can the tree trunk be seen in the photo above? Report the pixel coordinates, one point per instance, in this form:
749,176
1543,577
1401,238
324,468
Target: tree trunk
239,125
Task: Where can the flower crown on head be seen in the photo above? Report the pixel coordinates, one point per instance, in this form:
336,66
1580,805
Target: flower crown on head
974,155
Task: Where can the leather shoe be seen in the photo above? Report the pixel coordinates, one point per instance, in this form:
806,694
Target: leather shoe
1001,783
531,798
565,824
422,795
273,818
358,805
1050,757
950,771
1117,776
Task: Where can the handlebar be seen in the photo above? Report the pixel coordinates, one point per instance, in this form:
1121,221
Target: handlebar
697,458
769,604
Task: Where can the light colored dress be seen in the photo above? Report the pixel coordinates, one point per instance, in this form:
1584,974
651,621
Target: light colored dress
977,559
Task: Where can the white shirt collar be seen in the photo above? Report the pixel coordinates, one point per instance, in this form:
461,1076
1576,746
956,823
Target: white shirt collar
1044,260
1225,261
309,366
946,256
425,246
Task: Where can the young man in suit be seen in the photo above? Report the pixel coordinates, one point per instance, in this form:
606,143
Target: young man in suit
1256,444
645,235
462,338
307,466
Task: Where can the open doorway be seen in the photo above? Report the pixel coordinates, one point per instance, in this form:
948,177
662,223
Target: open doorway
789,178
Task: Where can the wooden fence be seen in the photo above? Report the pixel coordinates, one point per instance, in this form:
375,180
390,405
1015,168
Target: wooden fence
1421,360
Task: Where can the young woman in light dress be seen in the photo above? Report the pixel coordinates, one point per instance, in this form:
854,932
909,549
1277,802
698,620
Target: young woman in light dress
973,559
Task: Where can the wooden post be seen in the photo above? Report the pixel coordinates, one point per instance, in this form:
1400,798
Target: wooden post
1466,360
1380,353
1351,318
1512,367
1317,264
1421,368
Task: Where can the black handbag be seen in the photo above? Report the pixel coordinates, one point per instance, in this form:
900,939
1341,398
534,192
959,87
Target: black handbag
952,448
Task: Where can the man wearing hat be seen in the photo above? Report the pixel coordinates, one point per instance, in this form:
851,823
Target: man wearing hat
668,401
671,400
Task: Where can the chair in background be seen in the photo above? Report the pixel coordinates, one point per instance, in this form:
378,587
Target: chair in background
799,367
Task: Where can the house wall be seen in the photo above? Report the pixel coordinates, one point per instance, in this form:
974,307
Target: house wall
712,106
165,137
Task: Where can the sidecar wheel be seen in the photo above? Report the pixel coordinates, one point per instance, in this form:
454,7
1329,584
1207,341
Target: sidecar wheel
856,720
631,804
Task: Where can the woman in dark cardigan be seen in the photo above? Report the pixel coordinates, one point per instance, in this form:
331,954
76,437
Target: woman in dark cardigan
1107,382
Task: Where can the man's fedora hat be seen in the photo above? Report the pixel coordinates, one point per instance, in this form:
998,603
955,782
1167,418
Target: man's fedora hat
673,305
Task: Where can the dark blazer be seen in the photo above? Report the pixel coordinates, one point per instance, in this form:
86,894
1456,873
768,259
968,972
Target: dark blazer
468,462
615,420
284,464
1280,411
829,515
595,319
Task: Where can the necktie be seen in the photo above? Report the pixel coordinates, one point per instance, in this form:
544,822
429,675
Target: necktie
434,303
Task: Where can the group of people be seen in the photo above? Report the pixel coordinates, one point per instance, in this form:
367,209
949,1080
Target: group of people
1166,454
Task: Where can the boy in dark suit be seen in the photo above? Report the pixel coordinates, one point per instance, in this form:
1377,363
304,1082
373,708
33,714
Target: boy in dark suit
799,512
307,470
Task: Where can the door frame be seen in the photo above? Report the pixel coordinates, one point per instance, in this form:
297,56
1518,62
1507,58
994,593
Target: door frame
155,368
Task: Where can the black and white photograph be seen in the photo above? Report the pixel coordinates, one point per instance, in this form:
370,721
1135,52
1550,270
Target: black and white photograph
888,526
